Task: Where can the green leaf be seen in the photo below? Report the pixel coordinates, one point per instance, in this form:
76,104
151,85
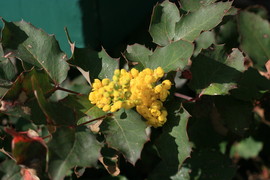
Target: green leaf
205,40
236,60
82,106
125,131
56,113
193,5
35,47
98,64
22,87
171,57
10,170
206,71
209,164
228,34
255,38
237,115
173,145
162,26
182,174
7,70
247,148
206,18
138,53
251,86
71,147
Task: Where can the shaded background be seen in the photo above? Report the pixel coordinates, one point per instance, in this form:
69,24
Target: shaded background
94,23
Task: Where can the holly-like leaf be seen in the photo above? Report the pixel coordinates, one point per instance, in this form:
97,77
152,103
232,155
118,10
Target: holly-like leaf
204,41
82,106
98,64
206,71
251,86
22,88
171,57
55,113
207,17
7,70
255,38
247,148
125,132
138,53
193,5
36,48
236,114
173,144
209,164
71,147
10,170
162,26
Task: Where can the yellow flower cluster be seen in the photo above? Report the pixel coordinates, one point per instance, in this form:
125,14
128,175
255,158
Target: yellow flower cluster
133,89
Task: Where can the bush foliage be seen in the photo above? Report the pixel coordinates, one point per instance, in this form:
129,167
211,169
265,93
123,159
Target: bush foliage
216,57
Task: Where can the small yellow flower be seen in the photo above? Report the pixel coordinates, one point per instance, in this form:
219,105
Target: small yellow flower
132,88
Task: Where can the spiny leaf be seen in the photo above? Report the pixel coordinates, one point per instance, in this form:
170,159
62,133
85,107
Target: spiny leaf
247,148
36,48
208,164
162,26
193,5
172,56
82,106
255,38
72,147
126,133
173,144
55,113
204,41
251,86
23,85
98,64
138,53
206,18
236,114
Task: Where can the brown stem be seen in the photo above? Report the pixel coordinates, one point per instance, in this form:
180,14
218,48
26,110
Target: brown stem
92,120
183,96
67,90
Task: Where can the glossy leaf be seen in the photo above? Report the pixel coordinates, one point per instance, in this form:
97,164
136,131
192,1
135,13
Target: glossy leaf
35,47
162,26
206,18
251,86
82,106
173,144
255,38
98,64
125,132
22,88
55,113
80,149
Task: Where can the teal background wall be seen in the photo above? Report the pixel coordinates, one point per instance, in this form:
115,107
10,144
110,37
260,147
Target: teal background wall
50,15
111,24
